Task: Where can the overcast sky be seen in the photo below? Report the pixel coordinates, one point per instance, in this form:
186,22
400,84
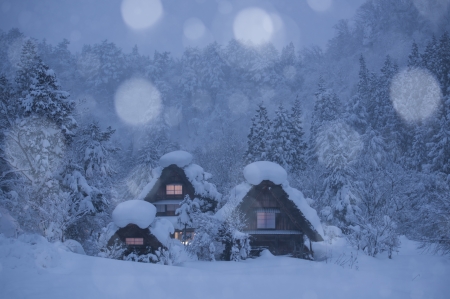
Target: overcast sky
170,25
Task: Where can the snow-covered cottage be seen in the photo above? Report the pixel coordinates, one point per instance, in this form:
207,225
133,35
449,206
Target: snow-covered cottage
278,217
135,228
177,177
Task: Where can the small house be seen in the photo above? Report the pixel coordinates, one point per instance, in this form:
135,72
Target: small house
135,228
278,217
175,178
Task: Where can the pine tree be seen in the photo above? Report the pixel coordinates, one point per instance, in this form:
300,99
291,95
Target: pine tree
337,147
27,66
299,146
190,68
281,149
86,177
326,107
439,146
259,139
213,69
41,129
186,213
414,58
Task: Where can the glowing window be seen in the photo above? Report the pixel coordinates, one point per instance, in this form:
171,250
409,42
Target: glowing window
134,241
174,189
265,220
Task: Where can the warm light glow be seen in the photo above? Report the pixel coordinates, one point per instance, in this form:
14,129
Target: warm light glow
134,241
174,189
265,220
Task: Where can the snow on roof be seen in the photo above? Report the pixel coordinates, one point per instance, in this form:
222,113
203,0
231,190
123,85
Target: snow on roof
139,212
179,158
259,171
196,176
310,214
234,199
238,193
156,173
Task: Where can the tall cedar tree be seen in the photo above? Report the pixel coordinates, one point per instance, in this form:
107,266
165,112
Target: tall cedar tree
299,146
259,138
281,150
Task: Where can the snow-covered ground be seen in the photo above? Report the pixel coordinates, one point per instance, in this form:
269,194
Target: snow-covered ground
32,268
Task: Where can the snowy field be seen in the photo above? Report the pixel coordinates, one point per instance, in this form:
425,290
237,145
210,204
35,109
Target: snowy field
32,268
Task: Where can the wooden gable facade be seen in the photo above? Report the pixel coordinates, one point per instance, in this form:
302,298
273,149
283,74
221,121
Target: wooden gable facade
135,239
169,190
275,222
167,194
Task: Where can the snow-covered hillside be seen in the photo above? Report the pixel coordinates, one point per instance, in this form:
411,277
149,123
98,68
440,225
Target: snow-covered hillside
30,267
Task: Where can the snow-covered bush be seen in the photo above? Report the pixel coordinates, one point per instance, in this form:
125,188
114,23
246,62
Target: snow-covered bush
186,212
375,235
206,233
112,252
236,243
9,226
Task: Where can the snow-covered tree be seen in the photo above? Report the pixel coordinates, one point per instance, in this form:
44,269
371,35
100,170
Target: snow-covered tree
299,147
39,131
326,108
337,148
186,212
282,146
206,232
259,139
87,177
236,243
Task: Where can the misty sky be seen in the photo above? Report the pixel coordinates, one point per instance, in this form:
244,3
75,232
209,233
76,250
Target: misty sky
180,22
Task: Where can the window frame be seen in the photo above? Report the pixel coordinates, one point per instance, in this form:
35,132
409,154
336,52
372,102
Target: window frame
134,241
175,190
266,220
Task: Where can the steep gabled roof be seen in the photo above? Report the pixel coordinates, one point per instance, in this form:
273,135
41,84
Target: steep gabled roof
179,164
269,175
167,174
288,206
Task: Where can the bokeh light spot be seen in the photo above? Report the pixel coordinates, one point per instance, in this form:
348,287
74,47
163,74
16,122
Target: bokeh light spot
415,94
137,101
253,25
141,14
194,28
320,5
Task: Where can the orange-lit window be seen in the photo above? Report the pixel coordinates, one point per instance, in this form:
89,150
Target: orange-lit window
174,189
265,220
134,241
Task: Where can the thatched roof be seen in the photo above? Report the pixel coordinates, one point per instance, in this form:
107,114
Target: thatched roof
287,206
